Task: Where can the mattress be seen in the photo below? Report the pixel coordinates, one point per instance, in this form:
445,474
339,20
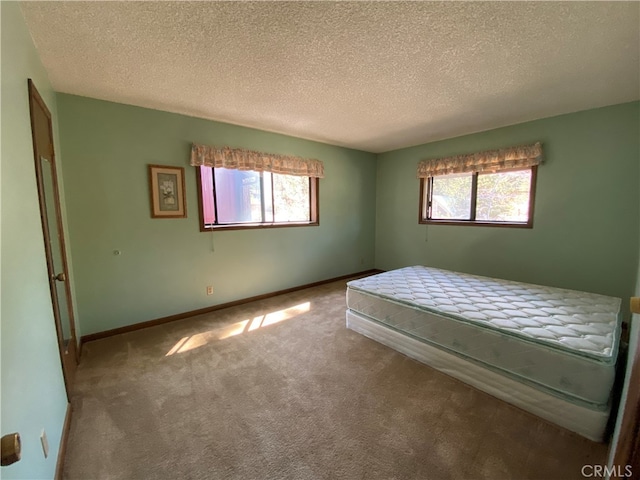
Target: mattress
562,342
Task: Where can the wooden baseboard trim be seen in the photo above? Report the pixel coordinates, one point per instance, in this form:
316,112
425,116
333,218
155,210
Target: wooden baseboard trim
62,450
171,318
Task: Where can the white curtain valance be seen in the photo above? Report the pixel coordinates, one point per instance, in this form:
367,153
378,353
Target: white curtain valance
241,159
523,156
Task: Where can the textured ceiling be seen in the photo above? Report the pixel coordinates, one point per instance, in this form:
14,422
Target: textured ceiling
375,76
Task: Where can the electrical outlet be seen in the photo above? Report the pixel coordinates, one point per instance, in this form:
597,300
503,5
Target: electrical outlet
45,443
210,290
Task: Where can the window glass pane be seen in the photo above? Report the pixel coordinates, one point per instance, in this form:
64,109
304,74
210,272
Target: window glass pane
253,198
268,196
208,208
291,198
451,197
504,196
238,196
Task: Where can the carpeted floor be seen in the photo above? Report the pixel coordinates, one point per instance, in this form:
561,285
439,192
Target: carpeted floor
280,389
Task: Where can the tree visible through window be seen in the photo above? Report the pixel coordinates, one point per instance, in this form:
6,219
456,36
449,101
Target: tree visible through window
503,198
249,199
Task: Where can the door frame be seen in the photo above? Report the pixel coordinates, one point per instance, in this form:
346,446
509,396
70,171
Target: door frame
627,449
34,97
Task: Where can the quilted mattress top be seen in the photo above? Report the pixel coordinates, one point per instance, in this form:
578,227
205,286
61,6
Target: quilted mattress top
580,322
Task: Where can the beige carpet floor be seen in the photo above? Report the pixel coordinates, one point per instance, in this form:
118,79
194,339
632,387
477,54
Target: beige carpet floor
280,389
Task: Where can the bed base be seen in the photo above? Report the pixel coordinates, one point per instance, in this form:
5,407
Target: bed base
584,421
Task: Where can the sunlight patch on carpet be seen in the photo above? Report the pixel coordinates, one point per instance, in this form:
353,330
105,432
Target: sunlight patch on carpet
198,340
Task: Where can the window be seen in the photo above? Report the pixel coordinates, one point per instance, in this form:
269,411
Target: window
491,188
502,198
233,199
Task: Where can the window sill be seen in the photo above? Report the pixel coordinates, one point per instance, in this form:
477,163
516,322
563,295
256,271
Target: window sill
256,226
475,223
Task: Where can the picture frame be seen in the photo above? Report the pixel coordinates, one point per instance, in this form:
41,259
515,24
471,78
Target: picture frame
166,185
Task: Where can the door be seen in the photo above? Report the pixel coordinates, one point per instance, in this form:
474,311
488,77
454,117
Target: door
626,455
51,217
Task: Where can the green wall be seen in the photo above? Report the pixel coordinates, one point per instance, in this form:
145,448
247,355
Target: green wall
33,395
166,264
586,223
585,233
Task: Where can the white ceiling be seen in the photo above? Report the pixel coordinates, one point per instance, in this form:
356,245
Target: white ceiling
375,76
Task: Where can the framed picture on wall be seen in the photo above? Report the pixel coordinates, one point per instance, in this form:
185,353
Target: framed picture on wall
167,192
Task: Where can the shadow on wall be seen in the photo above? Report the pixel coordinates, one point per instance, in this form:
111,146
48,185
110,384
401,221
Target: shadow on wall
508,253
